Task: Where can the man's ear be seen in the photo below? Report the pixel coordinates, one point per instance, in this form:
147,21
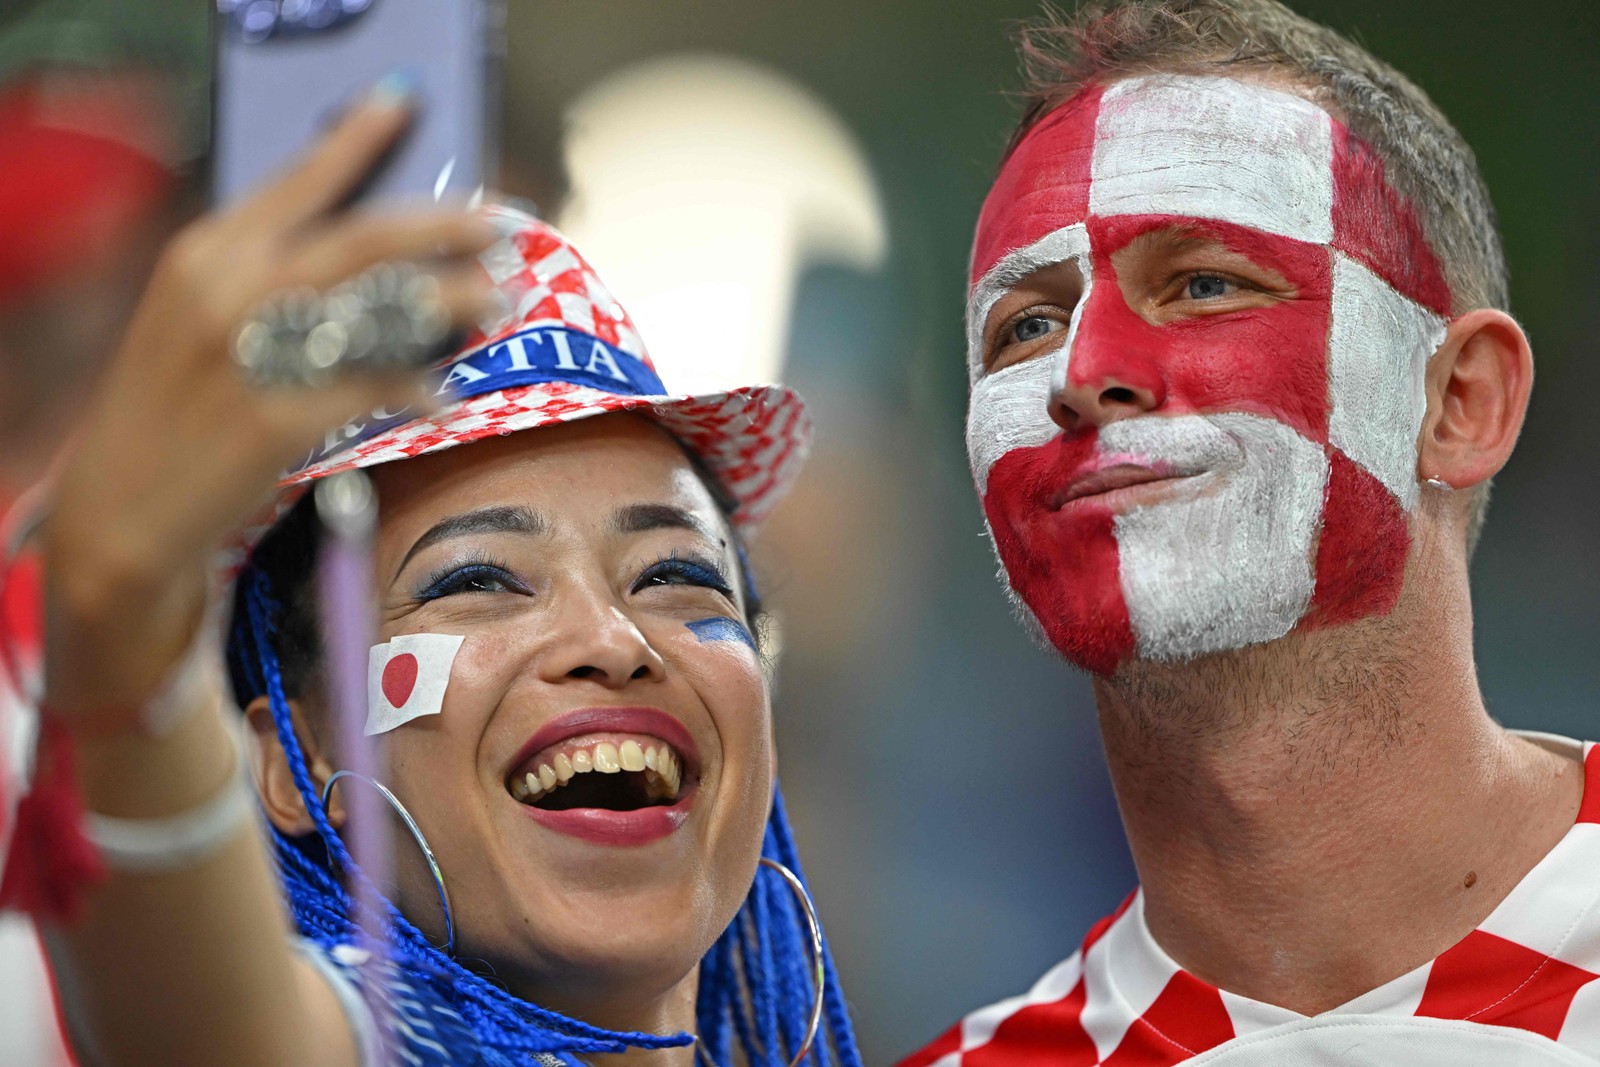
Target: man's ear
1477,387
285,806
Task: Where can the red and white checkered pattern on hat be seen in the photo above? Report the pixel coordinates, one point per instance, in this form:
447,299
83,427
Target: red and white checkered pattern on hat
1520,989
753,438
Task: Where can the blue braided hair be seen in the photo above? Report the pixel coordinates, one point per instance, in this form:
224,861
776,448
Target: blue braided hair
755,983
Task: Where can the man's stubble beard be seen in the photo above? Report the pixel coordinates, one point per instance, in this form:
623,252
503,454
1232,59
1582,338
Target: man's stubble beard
1322,695
1322,698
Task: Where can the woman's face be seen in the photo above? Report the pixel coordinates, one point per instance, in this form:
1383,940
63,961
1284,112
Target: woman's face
593,580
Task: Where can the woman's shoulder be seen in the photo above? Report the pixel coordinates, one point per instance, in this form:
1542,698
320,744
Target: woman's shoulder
390,1008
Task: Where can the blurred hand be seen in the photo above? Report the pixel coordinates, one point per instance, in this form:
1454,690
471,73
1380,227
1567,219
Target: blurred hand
178,450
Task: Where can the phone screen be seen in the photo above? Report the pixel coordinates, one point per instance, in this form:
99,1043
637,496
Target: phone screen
285,69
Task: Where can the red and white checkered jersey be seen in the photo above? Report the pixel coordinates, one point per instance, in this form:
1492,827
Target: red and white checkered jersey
1519,991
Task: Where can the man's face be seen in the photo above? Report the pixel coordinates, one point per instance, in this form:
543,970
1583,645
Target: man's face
1197,331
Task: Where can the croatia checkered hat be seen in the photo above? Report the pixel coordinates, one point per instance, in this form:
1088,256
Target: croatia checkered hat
567,351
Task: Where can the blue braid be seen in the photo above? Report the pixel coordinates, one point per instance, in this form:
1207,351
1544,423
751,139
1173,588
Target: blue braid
763,1011
767,912
710,1022
790,973
755,986
835,1014
747,574
739,998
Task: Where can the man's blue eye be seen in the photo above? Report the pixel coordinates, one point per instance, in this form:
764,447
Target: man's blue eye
1032,328
1208,287
681,571
471,578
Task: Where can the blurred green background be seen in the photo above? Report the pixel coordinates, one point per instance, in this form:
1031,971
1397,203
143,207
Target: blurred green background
944,775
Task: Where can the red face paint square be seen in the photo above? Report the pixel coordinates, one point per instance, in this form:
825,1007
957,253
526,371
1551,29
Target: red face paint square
1043,186
1269,361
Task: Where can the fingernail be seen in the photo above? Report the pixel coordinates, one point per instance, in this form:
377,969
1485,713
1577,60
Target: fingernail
520,205
395,90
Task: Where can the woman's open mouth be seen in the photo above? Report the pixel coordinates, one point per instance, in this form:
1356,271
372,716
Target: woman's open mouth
619,776
615,772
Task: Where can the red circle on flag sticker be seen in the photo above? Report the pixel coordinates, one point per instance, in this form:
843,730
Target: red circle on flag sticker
400,678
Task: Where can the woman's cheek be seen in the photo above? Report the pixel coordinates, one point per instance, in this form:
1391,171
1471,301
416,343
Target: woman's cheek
476,675
718,656
484,668
719,659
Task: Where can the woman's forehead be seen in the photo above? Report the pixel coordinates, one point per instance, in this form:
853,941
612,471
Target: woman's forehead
576,472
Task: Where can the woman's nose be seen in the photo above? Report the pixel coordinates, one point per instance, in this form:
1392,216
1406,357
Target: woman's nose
593,639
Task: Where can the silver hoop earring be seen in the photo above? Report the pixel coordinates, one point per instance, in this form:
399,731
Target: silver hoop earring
818,973
1438,483
819,976
422,843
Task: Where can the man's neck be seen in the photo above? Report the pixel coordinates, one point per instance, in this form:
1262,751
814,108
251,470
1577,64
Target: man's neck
1313,818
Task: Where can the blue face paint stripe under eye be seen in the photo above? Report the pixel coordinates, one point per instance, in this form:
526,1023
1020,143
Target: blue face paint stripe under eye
721,629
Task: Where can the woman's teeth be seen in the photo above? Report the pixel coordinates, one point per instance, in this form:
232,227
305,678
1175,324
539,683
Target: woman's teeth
662,769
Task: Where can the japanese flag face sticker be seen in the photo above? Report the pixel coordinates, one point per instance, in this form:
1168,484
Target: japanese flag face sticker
406,679
1221,269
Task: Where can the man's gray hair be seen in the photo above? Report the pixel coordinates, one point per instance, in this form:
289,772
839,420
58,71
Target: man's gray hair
1424,158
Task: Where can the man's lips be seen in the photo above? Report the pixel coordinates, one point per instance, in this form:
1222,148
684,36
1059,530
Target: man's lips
1097,479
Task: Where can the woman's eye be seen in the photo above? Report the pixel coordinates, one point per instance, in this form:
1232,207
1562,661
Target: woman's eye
678,571
1032,328
1208,287
473,578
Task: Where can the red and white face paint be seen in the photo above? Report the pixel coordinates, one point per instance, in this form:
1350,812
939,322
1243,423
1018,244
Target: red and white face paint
406,679
1290,427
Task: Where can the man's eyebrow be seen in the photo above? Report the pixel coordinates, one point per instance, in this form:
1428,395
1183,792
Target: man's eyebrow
1189,236
1179,236
642,518
498,519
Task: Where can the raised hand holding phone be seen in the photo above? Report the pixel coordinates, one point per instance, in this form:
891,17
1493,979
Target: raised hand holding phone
180,446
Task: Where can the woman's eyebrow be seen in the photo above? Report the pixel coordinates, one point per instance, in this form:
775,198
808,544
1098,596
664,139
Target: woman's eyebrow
642,518
499,519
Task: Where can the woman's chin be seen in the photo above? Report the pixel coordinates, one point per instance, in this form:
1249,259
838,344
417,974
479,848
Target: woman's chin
592,901
573,900
590,947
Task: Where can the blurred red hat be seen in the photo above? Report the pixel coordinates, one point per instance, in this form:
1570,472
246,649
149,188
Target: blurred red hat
80,164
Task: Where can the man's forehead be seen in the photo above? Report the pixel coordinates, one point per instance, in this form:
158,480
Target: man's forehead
1249,153
1214,148
1168,144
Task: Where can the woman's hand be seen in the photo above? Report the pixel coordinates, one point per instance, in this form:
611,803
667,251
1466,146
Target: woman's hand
178,449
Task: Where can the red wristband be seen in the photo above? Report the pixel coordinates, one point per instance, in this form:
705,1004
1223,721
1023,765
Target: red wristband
45,859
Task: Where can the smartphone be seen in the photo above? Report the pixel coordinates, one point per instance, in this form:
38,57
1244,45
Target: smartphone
286,69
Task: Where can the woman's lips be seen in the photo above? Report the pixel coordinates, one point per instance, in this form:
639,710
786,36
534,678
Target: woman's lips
603,735
603,826
559,764
605,720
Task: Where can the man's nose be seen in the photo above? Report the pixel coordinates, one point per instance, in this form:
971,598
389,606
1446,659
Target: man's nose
1109,368
591,638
